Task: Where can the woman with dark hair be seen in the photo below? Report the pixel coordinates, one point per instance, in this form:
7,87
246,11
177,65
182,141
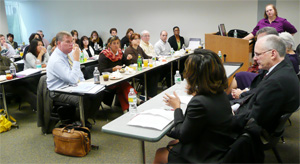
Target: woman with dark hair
51,47
95,39
112,59
85,47
32,36
36,52
75,36
271,19
134,49
126,39
203,134
176,41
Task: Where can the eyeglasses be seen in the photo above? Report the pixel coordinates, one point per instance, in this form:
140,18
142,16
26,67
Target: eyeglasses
258,54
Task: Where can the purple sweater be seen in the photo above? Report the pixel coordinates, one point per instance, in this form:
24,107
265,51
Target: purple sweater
280,24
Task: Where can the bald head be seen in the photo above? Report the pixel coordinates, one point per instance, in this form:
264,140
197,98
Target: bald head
163,36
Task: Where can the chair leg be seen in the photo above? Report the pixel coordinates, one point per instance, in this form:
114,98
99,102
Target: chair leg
290,122
277,155
282,139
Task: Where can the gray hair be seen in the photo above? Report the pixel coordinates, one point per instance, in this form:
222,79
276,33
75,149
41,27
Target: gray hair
288,39
276,43
60,35
144,32
267,30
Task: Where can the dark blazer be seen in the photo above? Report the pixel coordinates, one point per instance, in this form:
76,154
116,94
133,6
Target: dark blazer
276,94
204,132
125,41
173,42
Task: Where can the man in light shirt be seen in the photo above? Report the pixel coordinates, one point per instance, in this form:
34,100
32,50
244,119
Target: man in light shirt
145,44
162,47
64,69
45,41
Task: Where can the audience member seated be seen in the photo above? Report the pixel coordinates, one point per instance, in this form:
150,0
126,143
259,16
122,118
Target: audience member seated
272,20
6,49
111,60
162,47
45,41
176,41
63,70
145,44
113,32
274,92
36,52
51,47
85,47
204,133
31,37
242,80
4,63
75,36
134,49
10,40
126,39
153,76
95,39
289,43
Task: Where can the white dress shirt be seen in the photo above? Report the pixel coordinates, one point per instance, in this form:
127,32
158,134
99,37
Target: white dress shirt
59,72
162,48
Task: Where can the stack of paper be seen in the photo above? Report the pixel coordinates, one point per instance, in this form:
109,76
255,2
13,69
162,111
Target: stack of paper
27,72
154,118
83,87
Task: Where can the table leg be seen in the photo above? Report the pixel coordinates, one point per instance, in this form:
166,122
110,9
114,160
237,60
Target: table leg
178,62
145,88
143,152
81,111
4,102
171,73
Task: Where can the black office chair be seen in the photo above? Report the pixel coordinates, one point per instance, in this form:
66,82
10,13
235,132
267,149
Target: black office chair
51,112
270,140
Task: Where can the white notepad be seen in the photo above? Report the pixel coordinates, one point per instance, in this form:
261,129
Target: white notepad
154,118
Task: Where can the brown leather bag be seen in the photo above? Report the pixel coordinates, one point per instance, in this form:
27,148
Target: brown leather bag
72,141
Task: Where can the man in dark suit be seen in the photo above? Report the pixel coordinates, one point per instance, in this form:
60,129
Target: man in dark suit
277,88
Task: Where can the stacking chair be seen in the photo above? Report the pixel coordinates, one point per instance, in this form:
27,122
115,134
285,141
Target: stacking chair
270,140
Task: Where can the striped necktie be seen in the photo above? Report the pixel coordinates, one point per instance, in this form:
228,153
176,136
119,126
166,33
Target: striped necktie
70,61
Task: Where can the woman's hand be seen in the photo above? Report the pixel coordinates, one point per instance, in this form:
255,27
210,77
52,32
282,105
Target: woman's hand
116,68
53,48
43,50
129,57
172,101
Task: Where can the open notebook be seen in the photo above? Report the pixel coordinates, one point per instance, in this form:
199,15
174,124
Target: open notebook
153,118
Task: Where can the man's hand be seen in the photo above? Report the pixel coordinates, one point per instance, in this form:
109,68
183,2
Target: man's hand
76,53
236,93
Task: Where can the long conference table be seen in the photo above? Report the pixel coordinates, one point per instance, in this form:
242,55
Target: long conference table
120,127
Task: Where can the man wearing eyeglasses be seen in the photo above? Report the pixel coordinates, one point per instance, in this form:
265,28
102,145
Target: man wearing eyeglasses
276,93
63,69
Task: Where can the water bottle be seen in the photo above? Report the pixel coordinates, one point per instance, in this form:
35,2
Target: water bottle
38,64
125,47
96,46
154,59
104,47
96,76
177,77
81,59
183,47
132,102
235,34
172,51
12,69
139,63
220,55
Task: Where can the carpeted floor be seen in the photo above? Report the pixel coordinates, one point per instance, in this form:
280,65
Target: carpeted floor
28,145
